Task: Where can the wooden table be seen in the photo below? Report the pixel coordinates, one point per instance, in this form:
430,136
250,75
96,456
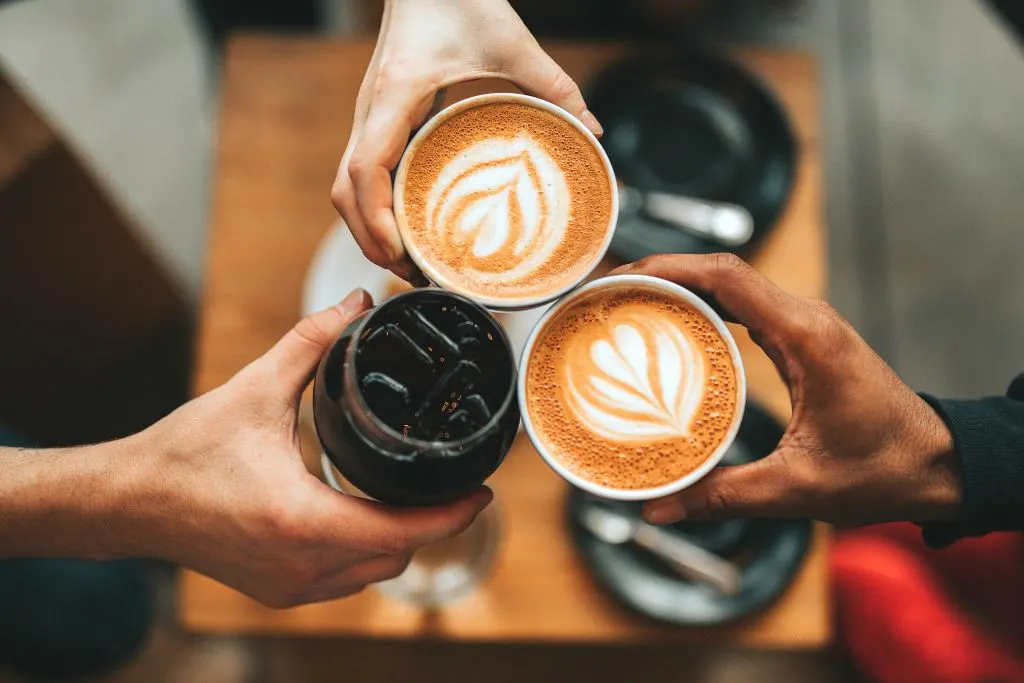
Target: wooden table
285,115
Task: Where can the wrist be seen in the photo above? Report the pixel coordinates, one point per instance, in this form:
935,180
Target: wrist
940,486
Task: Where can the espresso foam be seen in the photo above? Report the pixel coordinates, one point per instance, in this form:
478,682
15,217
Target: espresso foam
630,388
507,201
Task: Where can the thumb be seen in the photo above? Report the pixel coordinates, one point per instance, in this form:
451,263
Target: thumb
758,489
294,358
537,74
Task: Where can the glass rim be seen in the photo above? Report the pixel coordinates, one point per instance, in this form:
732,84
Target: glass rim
511,396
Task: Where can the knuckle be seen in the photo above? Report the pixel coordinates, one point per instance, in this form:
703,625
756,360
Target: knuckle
360,166
719,504
819,332
342,196
564,87
393,542
729,264
396,70
311,330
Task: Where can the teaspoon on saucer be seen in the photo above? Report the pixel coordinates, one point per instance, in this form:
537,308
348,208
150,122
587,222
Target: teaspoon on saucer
729,225
688,559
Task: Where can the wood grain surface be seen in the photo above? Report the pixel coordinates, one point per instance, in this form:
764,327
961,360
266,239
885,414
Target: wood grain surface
285,115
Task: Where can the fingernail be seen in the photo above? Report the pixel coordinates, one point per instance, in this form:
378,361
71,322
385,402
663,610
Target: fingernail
355,300
664,514
591,122
396,251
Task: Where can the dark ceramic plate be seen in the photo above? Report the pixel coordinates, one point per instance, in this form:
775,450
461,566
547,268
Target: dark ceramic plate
769,551
697,125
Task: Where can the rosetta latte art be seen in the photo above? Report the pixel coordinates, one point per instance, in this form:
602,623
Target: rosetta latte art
642,379
502,205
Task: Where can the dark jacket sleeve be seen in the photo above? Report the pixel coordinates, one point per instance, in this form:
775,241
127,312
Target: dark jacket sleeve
989,438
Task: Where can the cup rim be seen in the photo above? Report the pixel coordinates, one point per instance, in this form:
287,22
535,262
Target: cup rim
676,485
423,444
398,203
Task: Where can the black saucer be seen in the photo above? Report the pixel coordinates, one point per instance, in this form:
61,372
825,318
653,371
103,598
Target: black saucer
769,551
697,125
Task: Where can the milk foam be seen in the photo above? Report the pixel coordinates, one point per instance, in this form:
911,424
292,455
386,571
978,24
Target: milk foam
507,200
639,378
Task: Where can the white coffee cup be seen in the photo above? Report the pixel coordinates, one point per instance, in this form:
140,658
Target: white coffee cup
677,292
428,269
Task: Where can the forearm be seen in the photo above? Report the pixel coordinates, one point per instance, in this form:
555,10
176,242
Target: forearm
68,502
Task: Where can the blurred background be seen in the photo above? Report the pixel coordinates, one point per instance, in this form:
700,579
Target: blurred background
922,103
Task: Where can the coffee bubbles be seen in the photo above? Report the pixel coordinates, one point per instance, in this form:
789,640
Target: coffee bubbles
505,199
630,385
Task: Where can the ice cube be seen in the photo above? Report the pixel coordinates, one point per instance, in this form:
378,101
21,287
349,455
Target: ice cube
392,334
428,333
477,407
386,396
444,398
470,336
459,425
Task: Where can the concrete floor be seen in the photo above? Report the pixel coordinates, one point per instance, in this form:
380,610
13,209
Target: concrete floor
923,101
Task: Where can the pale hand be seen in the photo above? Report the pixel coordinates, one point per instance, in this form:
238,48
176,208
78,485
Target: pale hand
225,490
423,47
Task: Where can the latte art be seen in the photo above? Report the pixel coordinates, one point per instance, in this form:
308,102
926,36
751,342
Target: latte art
501,206
629,387
643,380
505,201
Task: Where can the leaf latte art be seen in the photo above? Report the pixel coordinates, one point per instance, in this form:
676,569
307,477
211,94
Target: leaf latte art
502,205
642,379
504,201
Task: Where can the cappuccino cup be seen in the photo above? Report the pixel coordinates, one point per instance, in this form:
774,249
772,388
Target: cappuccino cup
631,388
505,199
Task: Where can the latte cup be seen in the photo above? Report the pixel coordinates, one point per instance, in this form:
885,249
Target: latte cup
587,404
505,199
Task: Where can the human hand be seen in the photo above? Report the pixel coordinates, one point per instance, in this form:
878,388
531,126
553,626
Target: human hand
226,492
423,47
861,446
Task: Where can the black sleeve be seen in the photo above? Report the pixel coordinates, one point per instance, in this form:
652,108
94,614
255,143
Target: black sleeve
989,438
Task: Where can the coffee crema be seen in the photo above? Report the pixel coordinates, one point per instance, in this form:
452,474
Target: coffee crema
630,388
506,201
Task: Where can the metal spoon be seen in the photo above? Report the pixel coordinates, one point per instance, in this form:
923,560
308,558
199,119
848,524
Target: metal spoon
688,559
730,225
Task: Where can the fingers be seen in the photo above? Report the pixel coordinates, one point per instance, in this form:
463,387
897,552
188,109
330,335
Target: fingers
294,358
746,295
376,154
537,74
391,531
764,488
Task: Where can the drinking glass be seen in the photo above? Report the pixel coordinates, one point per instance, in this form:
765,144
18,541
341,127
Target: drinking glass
414,405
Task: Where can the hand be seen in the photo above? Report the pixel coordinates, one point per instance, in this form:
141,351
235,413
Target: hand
860,448
423,47
223,489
